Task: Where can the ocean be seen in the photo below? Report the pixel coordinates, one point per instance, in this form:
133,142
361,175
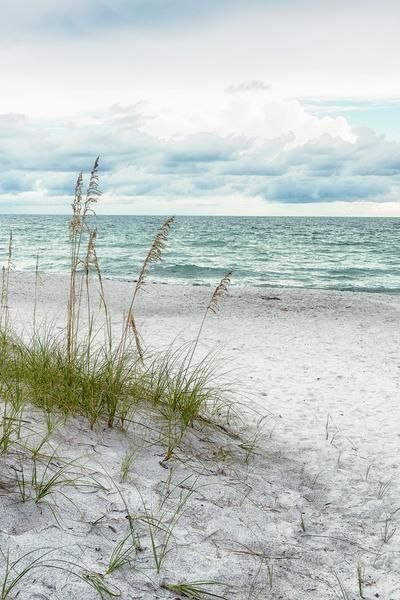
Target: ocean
330,253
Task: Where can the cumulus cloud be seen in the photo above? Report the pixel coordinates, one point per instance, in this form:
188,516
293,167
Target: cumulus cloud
39,161
264,116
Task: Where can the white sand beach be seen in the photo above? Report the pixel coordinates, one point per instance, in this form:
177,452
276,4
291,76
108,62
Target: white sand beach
310,512
199,300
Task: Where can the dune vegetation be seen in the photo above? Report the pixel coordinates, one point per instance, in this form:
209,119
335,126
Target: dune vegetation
87,373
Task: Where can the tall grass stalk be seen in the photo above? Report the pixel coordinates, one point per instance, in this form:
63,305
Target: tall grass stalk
154,255
5,285
36,294
79,226
212,307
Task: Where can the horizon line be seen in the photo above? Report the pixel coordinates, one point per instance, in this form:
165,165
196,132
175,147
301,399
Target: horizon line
44,214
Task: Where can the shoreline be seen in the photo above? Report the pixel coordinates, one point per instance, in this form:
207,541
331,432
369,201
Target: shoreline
235,284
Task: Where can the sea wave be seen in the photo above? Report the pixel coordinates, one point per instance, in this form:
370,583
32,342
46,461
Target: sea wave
331,253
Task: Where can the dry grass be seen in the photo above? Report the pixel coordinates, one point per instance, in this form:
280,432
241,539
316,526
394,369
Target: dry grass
154,255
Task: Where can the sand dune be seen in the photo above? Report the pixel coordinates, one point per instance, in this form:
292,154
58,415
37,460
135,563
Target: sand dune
313,505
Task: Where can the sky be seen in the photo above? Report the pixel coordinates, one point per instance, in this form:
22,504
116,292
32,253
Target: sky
236,107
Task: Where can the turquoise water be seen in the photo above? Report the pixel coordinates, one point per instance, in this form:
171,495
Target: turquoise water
333,253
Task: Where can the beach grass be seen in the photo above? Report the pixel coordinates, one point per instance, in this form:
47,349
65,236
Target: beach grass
74,373
87,370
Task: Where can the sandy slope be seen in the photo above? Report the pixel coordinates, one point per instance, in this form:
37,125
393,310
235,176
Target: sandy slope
309,505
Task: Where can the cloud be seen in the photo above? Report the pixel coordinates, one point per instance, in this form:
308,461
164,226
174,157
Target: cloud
39,161
248,86
209,113
308,189
263,116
